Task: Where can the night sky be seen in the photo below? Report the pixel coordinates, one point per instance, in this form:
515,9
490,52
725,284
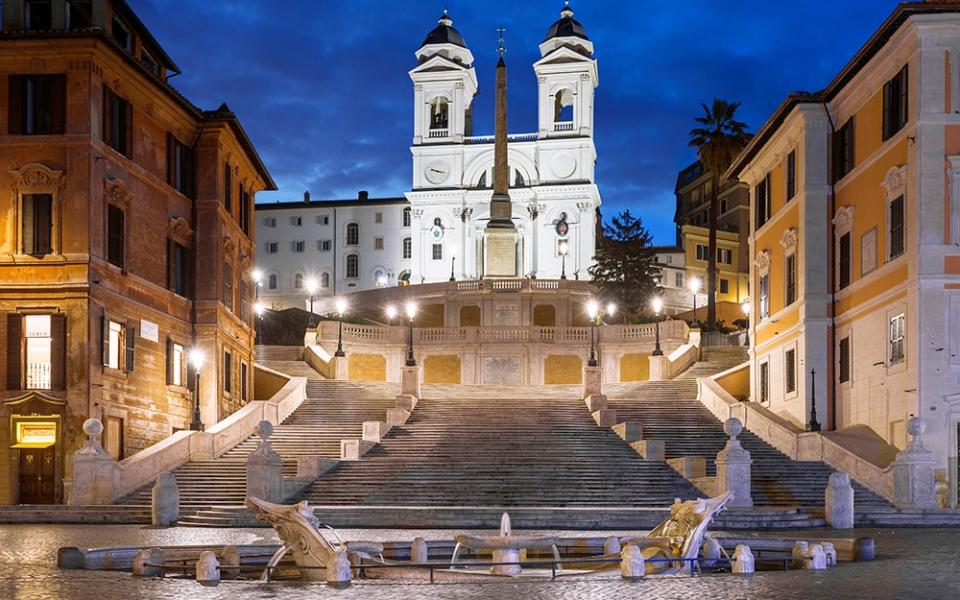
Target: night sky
321,86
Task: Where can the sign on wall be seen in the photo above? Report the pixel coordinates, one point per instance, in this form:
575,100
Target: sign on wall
149,331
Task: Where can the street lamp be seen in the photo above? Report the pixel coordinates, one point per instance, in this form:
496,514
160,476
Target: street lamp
411,313
341,308
453,261
257,276
564,246
694,285
258,310
745,307
657,304
593,311
196,359
391,312
311,284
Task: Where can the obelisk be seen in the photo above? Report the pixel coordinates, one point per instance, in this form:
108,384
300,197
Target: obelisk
500,236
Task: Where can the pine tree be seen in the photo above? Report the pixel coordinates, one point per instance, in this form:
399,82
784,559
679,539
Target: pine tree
623,268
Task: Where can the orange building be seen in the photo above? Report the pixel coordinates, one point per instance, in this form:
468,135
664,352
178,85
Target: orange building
125,240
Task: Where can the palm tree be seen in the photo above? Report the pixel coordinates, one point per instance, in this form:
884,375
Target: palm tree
718,139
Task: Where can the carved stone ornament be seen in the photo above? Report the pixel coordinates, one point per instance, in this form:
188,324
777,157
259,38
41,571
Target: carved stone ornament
245,261
229,245
116,193
584,206
895,180
843,220
36,177
789,238
180,231
763,260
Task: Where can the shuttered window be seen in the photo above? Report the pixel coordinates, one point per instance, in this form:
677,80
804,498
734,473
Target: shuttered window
227,372
179,166
179,265
228,188
897,348
895,93
227,298
176,356
843,149
115,218
353,266
762,201
37,224
790,370
764,382
844,360
117,122
896,227
791,277
38,104
244,383
791,175
844,258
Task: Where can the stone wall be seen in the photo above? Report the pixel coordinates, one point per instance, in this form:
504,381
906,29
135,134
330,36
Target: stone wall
562,368
635,366
441,368
366,367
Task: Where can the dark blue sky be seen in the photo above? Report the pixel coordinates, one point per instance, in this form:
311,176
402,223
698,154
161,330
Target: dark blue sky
321,86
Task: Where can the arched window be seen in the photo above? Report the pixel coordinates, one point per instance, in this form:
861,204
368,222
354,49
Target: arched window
403,278
408,247
483,180
518,178
406,217
439,111
325,280
563,106
379,278
353,234
298,281
272,281
353,266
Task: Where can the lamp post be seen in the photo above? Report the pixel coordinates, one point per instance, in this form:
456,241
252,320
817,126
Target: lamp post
657,305
411,313
196,359
564,246
258,310
391,312
312,290
341,308
745,307
593,311
453,261
813,424
694,286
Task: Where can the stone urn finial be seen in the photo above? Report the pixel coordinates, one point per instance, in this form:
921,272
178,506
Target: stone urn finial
732,427
93,427
915,427
264,430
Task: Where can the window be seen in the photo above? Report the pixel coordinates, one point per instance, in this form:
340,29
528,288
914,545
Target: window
724,286
764,296
244,300
121,33
843,156
353,234
272,247
844,258
178,269
790,370
678,280
407,247
38,104
325,280
296,221
228,189
438,113
378,243
115,219
791,175
149,63
896,227
179,166
298,281
406,217
723,206
272,281
353,266
117,344
895,103
118,123
175,363
244,199
227,372
764,382
791,277
897,350
844,370
37,224
702,252
244,383
79,14
378,217
323,220
37,15
762,199
725,256
44,338
298,246
438,252
669,259
269,221
324,245
227,298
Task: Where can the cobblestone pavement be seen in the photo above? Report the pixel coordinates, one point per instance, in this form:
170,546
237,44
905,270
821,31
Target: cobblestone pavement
911,564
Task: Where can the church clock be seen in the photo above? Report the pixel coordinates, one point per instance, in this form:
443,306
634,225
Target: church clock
437,171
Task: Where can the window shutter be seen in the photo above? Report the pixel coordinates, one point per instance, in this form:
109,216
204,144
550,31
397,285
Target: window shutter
14,356
15,96
108,116
171,160
188,271
169,361
128,121
58,351
58,104
104,340
227,188
42,224
887,108
904,94
130,343
191,377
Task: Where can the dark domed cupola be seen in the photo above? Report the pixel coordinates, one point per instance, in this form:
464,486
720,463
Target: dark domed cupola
567,26
444,33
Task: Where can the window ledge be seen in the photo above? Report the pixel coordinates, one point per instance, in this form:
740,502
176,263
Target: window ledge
115,373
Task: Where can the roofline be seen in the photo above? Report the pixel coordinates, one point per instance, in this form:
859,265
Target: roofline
767,130
231,118
146,32
329,203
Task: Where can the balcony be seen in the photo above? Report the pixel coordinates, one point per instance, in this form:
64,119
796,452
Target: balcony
563,126
439,133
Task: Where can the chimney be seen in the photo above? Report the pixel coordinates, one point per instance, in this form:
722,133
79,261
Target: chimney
306,197
363,195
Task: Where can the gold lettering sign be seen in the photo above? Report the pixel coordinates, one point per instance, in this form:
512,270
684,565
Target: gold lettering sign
36,434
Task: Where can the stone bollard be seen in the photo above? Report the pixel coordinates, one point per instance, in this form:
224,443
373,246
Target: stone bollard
801,550
830,552
208,569
611,545
914,471
419,553
265,468
733,466
743,561
711,552
154,556
165,500
230,562
632,565
818,558
838,502
338,571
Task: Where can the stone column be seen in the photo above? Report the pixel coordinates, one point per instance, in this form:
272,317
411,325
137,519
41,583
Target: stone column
341,368
93,469
265,468
592,382
410,381
659,368
733,466
913,471
838,502
165,500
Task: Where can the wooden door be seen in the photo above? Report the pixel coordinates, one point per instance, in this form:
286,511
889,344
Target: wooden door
38,475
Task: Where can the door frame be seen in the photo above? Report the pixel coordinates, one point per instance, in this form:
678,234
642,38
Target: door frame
35,406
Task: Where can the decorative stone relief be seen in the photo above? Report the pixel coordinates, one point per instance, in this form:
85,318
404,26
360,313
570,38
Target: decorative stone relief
180,231
563,165
501,370
117,193
789,239
895,180
843,220
762,261
36,177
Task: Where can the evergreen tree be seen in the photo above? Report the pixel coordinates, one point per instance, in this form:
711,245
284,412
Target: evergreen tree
623,268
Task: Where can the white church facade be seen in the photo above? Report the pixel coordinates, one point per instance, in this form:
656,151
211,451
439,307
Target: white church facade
435,232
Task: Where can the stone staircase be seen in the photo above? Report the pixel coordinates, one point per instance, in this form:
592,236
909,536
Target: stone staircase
286,359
